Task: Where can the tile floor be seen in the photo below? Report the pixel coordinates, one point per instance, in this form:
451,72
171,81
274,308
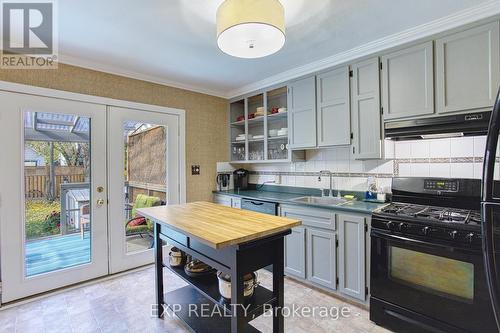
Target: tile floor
123,304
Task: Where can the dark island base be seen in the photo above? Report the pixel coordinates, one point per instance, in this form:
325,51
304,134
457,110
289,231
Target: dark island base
237,260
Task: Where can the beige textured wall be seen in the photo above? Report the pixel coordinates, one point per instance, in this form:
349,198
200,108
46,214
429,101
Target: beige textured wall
206,116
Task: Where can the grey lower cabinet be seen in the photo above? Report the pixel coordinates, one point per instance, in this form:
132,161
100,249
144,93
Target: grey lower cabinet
236,202
302,113
321,252
366,116
224,200
408,82
467,69
295,253
352,258
227,200
330,255
333,112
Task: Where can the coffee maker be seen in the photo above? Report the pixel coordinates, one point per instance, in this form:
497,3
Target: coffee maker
223,181
240,179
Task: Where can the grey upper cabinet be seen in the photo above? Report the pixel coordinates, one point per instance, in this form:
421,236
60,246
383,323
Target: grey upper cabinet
467,69
321,258
365,110
302,113
352,263
333,118
408,82
295,253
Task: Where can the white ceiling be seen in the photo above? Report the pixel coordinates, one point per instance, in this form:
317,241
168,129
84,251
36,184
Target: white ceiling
174,41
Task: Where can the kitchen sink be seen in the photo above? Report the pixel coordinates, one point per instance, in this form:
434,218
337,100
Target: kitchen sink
326,201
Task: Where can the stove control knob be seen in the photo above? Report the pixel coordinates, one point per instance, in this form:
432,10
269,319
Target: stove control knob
453,234
426,231
470,237
403,227
390,225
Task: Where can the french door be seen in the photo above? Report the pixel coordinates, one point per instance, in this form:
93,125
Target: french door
53,214
72,176
143,170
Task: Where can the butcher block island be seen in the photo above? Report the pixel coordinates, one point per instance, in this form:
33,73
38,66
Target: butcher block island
232,241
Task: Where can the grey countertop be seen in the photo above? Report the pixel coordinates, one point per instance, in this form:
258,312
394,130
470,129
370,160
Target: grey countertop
357,206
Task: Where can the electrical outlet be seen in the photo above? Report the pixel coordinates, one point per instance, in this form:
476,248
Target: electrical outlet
277,179
195,170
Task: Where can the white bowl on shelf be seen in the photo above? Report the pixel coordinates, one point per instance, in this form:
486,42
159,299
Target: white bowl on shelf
273,133
283,132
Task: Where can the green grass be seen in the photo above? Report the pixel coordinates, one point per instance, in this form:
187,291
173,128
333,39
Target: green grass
39,222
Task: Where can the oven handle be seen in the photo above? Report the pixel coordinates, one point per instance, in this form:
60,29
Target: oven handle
387,236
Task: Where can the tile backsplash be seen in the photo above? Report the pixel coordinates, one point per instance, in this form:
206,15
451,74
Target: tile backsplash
450,157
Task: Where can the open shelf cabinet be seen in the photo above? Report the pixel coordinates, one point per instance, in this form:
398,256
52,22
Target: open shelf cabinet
259,133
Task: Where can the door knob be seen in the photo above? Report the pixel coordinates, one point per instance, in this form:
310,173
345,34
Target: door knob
100,202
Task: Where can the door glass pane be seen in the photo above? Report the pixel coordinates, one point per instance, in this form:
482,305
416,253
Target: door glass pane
57,191
145,170
432,273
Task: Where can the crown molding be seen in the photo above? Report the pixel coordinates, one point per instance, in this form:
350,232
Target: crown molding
73,61
467,16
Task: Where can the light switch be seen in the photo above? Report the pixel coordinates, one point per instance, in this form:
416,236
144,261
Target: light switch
195,170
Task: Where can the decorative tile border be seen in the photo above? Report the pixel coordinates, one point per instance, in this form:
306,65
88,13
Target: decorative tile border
317,174
397,163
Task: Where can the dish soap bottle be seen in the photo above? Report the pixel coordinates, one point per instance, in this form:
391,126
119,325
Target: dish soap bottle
371,192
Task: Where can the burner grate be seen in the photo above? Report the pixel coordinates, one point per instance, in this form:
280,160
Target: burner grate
440,214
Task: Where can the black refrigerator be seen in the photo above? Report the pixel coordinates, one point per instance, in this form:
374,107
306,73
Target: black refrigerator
490,211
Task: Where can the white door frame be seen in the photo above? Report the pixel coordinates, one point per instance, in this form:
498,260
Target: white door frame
45,92
15,282
120,260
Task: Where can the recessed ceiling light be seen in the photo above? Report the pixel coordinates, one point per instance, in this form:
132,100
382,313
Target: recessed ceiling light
250,28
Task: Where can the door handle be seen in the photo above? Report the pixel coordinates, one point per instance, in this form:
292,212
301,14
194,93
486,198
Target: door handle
100,202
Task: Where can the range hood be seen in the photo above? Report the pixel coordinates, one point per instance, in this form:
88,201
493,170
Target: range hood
439,127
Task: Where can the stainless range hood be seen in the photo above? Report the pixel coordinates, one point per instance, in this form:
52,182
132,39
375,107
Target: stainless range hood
439,127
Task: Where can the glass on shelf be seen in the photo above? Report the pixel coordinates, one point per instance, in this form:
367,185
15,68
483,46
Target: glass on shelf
238,152
256,151
278,149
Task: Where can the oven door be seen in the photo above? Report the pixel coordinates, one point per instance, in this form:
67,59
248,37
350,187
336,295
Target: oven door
435,280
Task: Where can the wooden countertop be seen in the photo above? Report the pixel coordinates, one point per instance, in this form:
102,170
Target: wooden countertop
216,225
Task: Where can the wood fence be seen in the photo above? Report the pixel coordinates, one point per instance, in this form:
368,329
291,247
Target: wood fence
36,180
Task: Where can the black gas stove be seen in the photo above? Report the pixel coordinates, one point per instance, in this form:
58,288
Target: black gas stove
445,209
427,271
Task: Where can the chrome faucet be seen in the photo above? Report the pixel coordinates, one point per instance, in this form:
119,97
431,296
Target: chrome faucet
329,173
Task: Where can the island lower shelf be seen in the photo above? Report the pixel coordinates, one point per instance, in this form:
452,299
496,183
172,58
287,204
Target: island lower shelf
183,302
209,287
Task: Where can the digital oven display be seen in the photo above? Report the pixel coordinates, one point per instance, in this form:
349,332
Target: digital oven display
443,185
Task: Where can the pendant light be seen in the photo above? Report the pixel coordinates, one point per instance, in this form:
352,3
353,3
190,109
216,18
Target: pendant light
250,28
